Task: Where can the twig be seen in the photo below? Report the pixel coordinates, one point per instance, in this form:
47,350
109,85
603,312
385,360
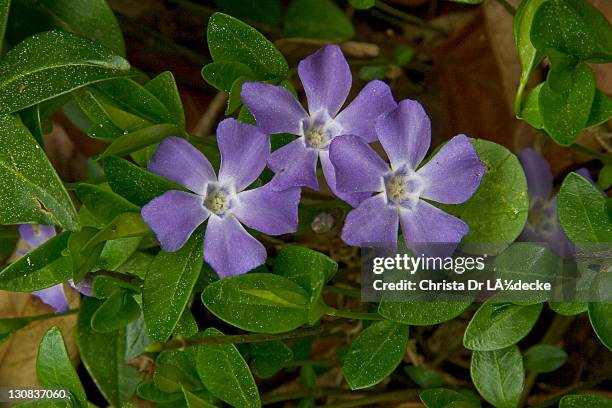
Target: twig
509,7
352,315
206,124
375,399
594,153
408,18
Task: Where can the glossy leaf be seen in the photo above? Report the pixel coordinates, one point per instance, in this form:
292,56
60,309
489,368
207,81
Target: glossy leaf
229,39
442,398
51,64
375,353
103,204
34,193
497,212
168,287
544,358
194,401
148,390
585,401
258,302
164,88
225,373
104,357
8,326
136,338
499,325
601,109
499,376
321,19
362,4
580,207
41,268
425,377
599,315
115,313
530,112
269,357
54,368
139,139
135,184
223,74
421,313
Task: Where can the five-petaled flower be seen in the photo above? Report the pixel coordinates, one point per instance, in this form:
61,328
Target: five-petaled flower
34,236
451,176
542,222
228,248
326,77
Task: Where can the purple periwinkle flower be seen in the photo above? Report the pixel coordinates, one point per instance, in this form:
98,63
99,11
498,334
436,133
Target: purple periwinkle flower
326,77
228,248
401,189
542,222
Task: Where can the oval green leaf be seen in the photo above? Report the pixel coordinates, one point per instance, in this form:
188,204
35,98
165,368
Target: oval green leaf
544,358
499,376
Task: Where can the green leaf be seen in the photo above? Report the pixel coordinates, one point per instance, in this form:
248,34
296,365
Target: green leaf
229,39
601,110
176,369
580,207
53,63
136,338
223,74
574,28
544,358
442,398
103,204
599,315
321,19
362,4
115,313
149,391
168,286
309,269
375,353
84,256
41,268
164,88
568,308
425,377
136,184
585,401
528,55
91,19
54,368
269,357
8,326
499,325
194,401
235,101
5,6
258,302
135,99
34,193
104,357
497,212
565,111
531,109
225,373
421,313
139,139
499,376
604,180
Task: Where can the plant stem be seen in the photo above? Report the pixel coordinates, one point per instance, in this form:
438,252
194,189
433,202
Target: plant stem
594,153
375,399
179,343
352,315
288,396
509,7
409,18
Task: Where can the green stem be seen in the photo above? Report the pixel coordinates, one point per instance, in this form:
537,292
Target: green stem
288,396
179,343
352,315
409,18
509,7
377,399
593,153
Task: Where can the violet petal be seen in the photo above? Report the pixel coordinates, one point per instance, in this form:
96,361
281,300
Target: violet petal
53,296
271,212
538,173
295,165
36,235
373,222
355,198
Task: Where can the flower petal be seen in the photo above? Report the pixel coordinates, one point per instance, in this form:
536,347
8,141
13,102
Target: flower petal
36,235
295,165
229,249
84,287
538,173
173,216
405,133
271,212
354,199
426,224
454,174
373,222
326,77
177,160
358,117
275,109
244,151
54,297
358,168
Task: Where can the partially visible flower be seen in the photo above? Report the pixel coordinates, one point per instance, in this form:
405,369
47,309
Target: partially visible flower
34,236
326,77
542,222
175,215
401,190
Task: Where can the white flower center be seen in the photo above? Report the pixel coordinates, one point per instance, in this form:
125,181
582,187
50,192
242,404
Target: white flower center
403,187
317,138
218,199
319,130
